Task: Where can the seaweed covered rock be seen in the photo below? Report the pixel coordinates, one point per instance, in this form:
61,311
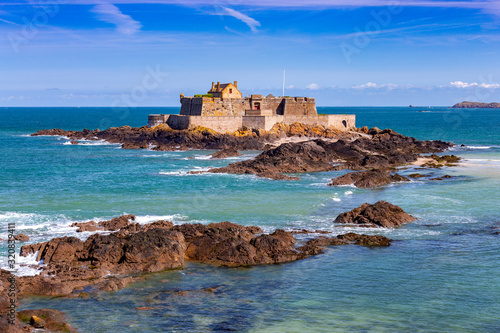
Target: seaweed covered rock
47,319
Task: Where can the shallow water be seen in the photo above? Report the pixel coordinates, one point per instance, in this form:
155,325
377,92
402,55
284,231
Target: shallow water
442,273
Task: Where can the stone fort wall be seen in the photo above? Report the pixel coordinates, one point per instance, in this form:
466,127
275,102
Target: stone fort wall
231,124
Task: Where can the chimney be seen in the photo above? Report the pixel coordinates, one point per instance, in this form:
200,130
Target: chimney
213,85
236,84
218,86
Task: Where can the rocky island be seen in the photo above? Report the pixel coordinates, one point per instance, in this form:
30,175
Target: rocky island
113,253
476,105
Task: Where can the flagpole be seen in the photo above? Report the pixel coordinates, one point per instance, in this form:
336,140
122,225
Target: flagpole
283,83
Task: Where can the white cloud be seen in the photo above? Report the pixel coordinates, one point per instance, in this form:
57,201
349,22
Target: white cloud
366,86
112,14
460,84
490,86
313,86
386,86
252,23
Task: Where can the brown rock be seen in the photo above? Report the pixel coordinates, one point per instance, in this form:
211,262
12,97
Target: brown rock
316,245
158,224
365,240
114,224
229,244
8,283
418,175
72,264
225,153
22,238
135,145
368,179
380,214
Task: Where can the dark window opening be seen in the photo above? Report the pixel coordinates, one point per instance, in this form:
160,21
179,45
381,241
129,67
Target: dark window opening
344,123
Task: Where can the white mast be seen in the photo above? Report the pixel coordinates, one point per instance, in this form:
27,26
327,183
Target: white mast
283,83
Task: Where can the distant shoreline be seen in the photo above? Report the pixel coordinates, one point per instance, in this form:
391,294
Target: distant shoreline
476,105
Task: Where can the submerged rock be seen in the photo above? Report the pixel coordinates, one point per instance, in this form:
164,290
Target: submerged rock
380,214
47,319
225,153
22,238
317,245
368,179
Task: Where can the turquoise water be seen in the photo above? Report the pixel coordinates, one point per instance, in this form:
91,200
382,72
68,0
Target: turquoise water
442,274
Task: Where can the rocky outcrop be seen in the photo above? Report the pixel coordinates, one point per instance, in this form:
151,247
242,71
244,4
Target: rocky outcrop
22,238
368,179
114,224
436,161
317,245
476,105
225,153
165,139
72,264
362,150
289,157
9,291
381,214
46,319
110,262
385,150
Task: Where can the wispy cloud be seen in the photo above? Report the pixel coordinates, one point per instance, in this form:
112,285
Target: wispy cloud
313,86
460,84
252,23
112,14
385,86
481,4
366,86
9,22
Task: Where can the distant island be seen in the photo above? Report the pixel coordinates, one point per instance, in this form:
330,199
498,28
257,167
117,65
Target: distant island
476,105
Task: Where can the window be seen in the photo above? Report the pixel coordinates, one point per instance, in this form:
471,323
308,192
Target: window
230,91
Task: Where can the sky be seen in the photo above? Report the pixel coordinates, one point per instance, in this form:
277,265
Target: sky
342,52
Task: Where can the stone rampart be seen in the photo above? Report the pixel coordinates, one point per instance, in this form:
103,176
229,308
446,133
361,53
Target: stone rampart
225,124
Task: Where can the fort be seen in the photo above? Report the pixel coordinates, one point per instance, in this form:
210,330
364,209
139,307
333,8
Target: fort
224,109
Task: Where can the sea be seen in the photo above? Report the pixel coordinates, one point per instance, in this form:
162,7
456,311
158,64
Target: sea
441,273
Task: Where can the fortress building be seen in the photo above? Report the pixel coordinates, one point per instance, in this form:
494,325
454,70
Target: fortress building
224,109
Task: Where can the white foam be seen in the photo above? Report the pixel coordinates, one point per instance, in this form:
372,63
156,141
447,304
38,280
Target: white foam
85,142
153,218
28,266
348,193
479,147
184,172
202,157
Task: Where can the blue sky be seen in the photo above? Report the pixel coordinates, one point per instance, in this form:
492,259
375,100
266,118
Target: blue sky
344,53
